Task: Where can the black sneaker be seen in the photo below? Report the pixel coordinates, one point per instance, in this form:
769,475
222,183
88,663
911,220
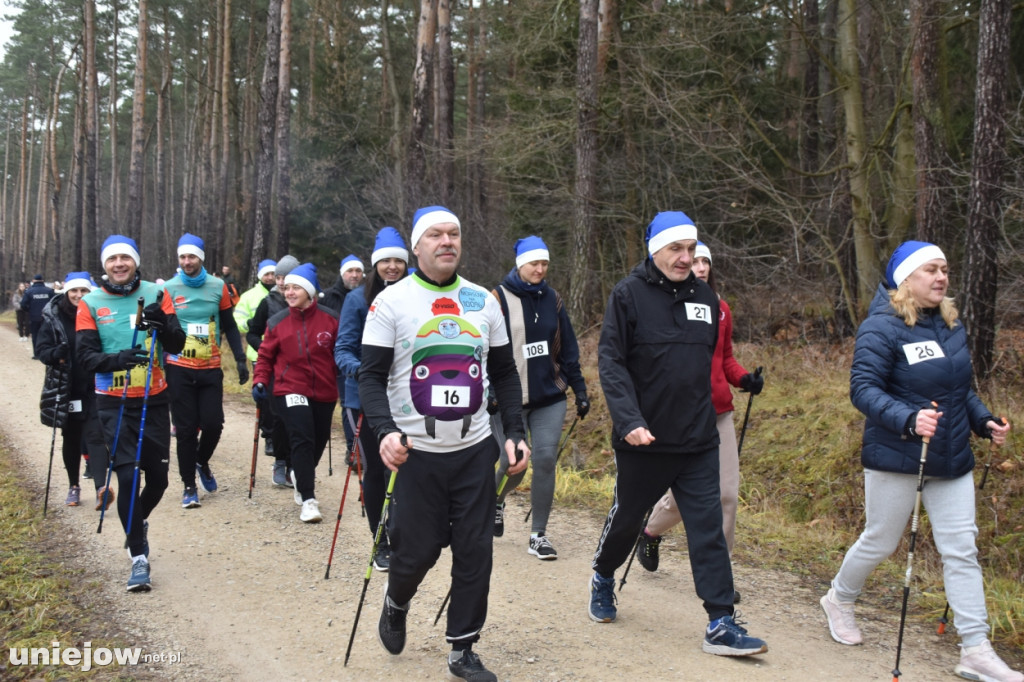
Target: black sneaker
391,628
542,548
647,551
499,520
466,665
382,557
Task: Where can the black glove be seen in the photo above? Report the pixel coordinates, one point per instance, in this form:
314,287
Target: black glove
752,383
153,317
61,351
243,372
259,393
132,357
582,405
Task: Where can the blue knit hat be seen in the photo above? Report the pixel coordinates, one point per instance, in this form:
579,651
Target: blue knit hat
427,217
265,267
79,280
189,243
702,251
118,244
389,244
668,227
529,249
351,261
907,257
305,276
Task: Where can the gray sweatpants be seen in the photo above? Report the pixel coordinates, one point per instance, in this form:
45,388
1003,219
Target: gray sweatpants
888,505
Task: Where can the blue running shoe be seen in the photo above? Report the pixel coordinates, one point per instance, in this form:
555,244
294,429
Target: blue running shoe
206,478
725,637
602,599
190,498
138,581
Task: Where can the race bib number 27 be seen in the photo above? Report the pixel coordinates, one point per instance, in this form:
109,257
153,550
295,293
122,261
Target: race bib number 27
698,312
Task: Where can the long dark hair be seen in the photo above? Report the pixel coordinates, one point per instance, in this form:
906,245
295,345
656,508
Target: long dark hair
375,283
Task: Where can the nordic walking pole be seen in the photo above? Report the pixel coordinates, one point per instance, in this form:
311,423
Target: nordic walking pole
746,417
981,486
358,463
120,414
142,424
330,450
444,603
344,494
53,441
558,454
255,449
914,520
373,552
629,564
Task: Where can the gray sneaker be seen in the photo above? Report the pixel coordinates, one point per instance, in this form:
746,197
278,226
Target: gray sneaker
281,474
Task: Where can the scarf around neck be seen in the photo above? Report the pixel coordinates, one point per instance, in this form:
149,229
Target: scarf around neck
194,282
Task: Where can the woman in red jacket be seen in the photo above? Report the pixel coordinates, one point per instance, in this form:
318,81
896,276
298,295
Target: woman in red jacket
725,371
298,352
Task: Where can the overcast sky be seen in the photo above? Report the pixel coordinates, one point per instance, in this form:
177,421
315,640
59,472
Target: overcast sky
5,26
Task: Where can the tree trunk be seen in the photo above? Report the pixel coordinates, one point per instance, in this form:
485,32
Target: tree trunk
267,121
112,126
395,146
988,163
421,106
868,272
284,131
929,143
90,166
137,166
227,232
585,191
160,166
445,103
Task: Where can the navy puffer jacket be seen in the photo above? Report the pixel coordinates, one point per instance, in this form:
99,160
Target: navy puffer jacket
898,370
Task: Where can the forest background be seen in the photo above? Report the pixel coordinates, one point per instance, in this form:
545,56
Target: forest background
806,138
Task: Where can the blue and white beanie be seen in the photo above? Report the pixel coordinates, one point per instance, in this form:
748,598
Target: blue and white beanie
907,257
305,276
351,261
118,244
427,217
529,249
265,267
189,243
79,280
668,227
702,251
389,244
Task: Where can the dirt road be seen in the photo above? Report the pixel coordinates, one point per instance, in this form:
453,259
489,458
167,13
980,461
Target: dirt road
239,589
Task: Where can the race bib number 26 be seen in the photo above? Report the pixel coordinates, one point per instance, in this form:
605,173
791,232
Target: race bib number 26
923,351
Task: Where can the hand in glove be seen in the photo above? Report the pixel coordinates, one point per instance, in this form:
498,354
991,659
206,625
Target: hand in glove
153,317
752,383
243,372
61,351
132,357
259,392
582,405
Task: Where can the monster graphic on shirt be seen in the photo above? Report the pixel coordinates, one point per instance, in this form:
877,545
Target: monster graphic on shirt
446,382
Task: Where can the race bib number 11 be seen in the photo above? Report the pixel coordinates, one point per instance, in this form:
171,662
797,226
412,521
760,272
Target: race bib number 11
920,352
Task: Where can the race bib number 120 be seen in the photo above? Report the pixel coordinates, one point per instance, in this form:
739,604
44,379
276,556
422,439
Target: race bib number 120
295,400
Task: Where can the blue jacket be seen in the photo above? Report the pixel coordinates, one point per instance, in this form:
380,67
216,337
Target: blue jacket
35,299
348,349
898,370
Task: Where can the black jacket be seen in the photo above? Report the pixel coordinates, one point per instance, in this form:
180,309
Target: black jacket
35,299
65,379
334,297
654,358
272,304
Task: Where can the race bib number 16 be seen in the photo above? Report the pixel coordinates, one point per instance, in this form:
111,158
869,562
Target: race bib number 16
920,352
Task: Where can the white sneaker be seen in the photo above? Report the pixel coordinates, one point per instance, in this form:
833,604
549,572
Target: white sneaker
296,495
841,622
983,664
310,512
